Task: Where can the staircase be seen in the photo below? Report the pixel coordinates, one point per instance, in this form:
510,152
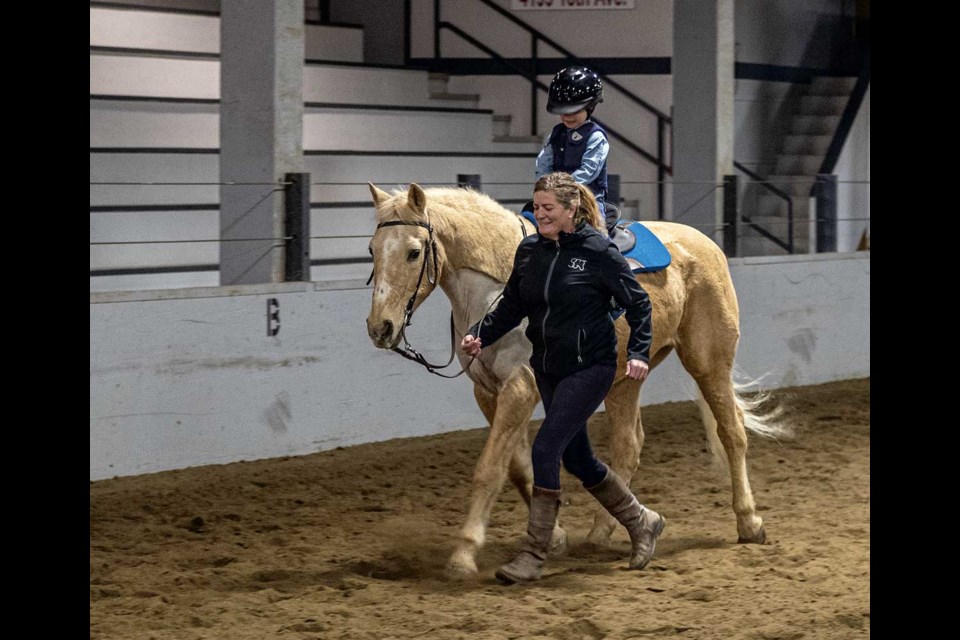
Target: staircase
804,147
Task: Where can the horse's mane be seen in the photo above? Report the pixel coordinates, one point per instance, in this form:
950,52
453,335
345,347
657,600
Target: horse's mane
478,232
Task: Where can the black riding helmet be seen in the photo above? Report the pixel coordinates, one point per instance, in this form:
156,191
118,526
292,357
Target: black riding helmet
573,89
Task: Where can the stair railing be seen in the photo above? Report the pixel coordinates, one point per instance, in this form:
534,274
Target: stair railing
658,159
849,115
788,245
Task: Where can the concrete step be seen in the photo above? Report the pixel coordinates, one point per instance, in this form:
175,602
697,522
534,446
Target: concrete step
172,32
769,204
753,242
793,184
822,105
757,245
117,123
805,164
149,76
806,144
813,125
460,99
439,83
502,124
827,86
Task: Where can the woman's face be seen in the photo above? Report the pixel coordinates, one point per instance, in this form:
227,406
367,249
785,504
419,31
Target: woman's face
552,217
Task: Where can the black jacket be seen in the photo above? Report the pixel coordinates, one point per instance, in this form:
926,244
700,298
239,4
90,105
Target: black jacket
564,288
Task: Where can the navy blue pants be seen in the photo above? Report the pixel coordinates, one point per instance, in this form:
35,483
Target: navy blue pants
563,437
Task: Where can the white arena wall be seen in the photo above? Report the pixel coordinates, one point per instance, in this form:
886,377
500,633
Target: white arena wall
188,377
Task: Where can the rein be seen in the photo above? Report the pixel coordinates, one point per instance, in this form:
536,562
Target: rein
408,351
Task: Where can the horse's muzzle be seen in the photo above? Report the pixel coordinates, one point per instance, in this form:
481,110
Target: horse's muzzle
382,334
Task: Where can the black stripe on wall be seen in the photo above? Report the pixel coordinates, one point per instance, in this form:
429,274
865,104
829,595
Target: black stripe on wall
327,152
138,271
779,73
316,105
165,53
544,66
110,208
624,66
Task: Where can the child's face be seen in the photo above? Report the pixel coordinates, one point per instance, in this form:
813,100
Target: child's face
574,120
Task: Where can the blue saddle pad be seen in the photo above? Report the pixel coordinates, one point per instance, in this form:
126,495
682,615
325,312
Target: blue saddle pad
649,253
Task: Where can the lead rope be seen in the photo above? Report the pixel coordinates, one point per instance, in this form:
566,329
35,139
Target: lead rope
410,353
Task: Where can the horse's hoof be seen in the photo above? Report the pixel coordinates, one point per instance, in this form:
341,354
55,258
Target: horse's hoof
598,537
759,538
558,543
460,569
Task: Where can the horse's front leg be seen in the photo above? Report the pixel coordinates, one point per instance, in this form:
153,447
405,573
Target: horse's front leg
514,406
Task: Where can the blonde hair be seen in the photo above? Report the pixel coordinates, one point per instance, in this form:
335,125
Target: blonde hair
570,193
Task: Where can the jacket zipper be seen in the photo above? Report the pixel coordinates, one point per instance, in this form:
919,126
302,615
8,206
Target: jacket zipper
546,298
579,350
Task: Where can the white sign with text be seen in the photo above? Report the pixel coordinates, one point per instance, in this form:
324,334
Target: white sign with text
546,5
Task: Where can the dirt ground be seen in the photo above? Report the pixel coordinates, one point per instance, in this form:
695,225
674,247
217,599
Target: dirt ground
351,543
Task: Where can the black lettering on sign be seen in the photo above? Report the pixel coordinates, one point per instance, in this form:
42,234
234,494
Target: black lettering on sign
273,316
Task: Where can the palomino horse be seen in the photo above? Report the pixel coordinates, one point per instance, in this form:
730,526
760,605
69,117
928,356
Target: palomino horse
465,242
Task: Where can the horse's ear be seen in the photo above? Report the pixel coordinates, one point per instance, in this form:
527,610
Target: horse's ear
416,198
379,195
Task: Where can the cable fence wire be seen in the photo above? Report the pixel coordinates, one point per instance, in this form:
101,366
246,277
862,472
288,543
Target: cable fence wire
189,184
366,236
126,242
454,183
742,223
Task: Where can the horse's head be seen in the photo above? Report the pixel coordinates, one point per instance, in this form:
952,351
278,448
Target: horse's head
407,261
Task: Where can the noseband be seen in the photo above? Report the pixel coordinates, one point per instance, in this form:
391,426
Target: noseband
408,351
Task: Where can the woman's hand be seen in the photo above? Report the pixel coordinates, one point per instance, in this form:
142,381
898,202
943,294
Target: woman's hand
471,346
637,369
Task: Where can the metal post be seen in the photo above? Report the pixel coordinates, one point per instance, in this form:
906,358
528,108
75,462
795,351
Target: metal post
661,174
613,188
436,29
825,192
533,85
469,180
297,206
730,216
406,32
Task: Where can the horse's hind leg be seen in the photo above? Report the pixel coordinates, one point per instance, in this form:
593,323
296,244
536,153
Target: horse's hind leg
715,379
626,440
514,406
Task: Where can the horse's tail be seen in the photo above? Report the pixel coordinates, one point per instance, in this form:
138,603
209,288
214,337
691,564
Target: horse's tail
759,417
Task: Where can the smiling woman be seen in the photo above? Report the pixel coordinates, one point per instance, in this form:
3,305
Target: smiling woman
562,282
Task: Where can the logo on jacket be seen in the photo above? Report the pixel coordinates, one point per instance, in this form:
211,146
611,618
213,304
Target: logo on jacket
578,263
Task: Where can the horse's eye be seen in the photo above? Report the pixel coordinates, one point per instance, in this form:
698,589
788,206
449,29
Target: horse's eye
413,255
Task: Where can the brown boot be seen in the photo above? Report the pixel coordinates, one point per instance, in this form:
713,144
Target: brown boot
644,525
528,565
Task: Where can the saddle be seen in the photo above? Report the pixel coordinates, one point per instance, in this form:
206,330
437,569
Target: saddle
643,251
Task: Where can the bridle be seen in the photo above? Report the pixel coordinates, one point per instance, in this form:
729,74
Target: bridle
408,351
